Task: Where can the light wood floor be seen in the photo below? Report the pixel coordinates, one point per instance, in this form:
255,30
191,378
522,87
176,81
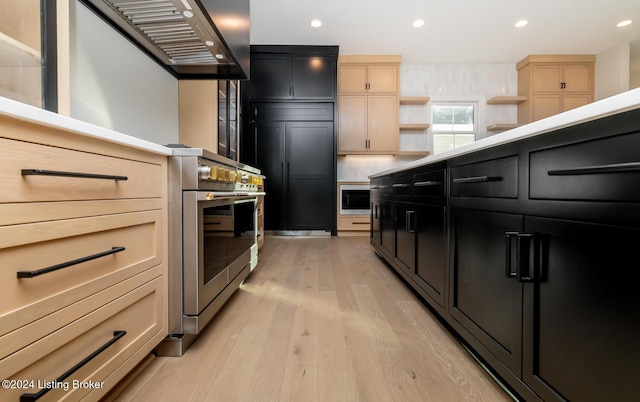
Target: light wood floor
320,319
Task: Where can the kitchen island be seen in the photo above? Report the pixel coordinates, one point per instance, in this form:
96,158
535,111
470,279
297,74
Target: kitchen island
523,243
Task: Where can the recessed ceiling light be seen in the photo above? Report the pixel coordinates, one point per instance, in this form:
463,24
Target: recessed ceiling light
219,56
316,23
209,43
187,14
418,23
521,23
623,23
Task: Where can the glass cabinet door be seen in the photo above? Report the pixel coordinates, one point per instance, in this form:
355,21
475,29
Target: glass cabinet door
228,122
25,27
233,120
223,105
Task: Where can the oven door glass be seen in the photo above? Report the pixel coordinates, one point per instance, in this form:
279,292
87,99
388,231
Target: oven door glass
244,233
216,236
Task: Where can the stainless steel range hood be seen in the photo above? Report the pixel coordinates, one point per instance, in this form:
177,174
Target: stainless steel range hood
191,38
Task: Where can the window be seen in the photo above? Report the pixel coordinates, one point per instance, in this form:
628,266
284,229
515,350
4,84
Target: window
453,125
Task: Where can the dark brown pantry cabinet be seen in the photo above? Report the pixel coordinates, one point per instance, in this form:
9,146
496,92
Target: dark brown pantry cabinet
541,263
288,132
293,156
292,76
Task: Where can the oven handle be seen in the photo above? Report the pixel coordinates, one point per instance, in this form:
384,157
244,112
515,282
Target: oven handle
218,195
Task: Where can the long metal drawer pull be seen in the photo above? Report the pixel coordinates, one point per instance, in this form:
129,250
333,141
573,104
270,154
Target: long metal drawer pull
427,183
401,185
41,172
359,223
509,236
613,168
34,397
476,179
410,217
523,269
42,271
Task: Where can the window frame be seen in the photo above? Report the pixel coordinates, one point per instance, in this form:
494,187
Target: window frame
476,121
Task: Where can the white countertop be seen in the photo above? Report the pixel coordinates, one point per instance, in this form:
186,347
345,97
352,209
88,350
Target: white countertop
606,107
33,114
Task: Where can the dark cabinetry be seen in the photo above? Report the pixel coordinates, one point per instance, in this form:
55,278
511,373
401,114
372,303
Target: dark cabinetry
405,236
580,330
286,76
429,198
409,228
294,155
540,238
289,133
485,298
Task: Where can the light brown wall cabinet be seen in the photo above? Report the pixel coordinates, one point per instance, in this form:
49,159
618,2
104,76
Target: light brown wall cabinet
368,104
554,84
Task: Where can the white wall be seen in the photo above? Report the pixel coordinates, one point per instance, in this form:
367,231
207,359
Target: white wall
115,85
612,71
441,82
634,64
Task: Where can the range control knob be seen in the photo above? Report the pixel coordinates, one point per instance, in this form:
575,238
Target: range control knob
205,172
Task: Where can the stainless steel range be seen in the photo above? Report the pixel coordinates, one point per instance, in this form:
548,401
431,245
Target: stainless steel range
212,239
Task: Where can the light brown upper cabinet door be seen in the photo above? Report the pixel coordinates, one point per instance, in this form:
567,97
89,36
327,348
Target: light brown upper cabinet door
382,79
352,79
352,123
578,77
383,124
546,78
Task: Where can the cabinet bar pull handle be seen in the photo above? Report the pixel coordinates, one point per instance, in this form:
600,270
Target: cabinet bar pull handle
613,168
509,236
523,271
427,183
41,172
401,185
34,397
42,271
359,223
476,179
410,216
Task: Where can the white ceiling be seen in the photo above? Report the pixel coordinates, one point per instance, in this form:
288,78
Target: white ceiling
455,31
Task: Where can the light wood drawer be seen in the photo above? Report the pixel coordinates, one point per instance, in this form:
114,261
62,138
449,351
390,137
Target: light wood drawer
356,222
143,180
137,314
34,246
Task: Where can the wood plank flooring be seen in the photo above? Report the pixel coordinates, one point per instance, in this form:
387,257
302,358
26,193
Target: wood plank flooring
320,319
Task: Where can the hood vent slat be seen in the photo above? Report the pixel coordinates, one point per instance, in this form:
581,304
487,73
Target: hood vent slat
179,32
199,39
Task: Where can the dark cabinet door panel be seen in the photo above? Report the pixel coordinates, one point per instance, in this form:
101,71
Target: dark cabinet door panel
431,250
270,143
581,314
494,178
270,77
388,227
314,77
484,300
405,239
309,175
606,169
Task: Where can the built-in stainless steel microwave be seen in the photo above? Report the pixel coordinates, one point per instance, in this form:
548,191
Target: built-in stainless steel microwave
354,199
